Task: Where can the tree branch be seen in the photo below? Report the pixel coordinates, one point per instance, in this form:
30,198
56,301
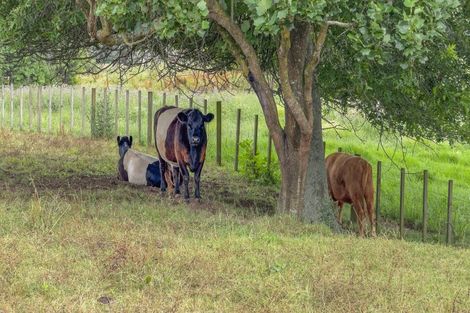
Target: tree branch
105,35
309,71
290,99
315,60
255,76
340,24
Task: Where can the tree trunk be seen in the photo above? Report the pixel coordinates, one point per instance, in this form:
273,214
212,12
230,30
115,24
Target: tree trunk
318,207
293,165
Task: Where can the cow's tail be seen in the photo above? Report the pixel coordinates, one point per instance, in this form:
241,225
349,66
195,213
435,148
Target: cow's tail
368,188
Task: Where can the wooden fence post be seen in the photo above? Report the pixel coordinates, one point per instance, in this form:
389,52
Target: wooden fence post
127,112
255,136
72,99
93,111
237,136
164,99
30,104
39,107
219,133
205,106
149,118
60,107
425,203
324,148
378,194
82,109
116,112
49,111
12,104
21,108
3,105
449,212
105,104
139,114
402,202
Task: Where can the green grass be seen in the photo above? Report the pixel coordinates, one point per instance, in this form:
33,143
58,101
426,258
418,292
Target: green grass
71,234
444,162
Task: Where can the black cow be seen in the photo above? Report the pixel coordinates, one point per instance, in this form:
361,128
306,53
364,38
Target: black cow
181,141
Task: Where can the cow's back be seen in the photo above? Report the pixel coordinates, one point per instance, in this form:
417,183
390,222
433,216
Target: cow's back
165,124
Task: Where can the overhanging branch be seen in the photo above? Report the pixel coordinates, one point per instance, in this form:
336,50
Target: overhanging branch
290,99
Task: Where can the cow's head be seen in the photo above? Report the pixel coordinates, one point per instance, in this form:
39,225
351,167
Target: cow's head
194,121
124,144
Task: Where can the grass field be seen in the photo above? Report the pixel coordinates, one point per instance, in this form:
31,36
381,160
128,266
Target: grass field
72,237
444,162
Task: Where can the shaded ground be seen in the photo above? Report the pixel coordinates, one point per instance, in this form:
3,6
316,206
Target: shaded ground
67,165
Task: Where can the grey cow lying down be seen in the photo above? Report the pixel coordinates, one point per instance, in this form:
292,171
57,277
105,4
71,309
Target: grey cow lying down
138,168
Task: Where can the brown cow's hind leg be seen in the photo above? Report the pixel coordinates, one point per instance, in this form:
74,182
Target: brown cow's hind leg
371,212
358,208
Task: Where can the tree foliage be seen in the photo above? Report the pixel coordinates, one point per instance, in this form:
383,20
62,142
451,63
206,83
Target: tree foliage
404,64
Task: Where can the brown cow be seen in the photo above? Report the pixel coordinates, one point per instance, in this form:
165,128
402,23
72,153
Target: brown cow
350,181
181,141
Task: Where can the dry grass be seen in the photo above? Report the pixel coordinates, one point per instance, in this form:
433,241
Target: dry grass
72,244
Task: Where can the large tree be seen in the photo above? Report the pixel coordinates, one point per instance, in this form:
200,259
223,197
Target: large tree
402,64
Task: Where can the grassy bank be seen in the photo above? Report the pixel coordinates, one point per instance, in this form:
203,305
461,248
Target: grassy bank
73,237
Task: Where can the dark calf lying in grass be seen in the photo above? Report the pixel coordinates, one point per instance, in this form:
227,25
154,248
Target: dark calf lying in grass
350,180
138,168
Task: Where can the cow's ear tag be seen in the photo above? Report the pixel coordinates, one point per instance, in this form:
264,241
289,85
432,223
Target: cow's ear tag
182,117
209,117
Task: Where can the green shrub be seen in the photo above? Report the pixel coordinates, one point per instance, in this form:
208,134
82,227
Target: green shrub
255,167
102,126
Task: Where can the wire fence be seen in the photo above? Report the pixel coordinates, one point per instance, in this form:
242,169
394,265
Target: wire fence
92,112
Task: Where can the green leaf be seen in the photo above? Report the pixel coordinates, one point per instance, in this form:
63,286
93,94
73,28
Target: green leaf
282,14
259,21
403,27
263,7
203,7
205,25
386,38
409,3
245,26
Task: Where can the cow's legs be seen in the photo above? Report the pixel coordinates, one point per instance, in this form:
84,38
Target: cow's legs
162,174
176,179
359,209
369,199
184,171
340,212
197,181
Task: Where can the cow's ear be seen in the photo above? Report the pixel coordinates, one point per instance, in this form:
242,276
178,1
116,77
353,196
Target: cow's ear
209,117
118,139
130,141
182,117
